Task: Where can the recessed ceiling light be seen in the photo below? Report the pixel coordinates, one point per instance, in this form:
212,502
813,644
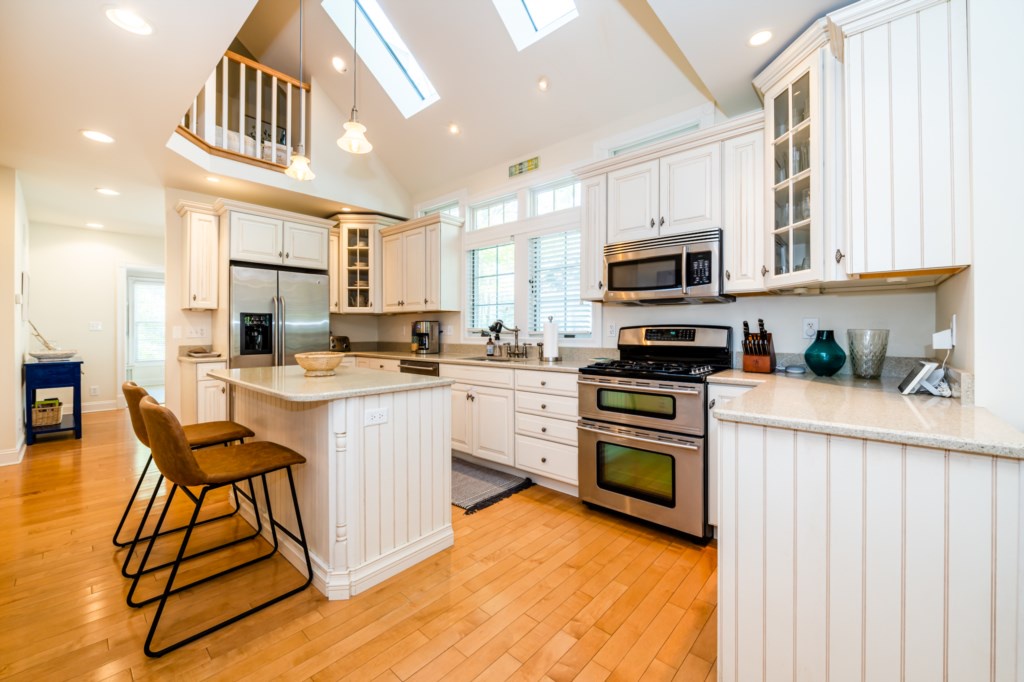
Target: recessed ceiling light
129,21
210,178
454,129
760,38
107,191
339,64
95,226
542,84
97,136
346,209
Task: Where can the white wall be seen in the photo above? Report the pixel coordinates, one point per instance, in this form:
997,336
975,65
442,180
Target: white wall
13,235
76,274
355,327
955,296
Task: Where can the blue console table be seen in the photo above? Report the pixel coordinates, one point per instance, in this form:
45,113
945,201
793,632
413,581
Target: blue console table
41,375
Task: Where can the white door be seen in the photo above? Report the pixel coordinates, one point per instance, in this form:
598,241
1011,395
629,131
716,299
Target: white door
211,401
494,423
633,202
256,239
145,332
414,244
393,275
333,272
462,435
305,246
691,190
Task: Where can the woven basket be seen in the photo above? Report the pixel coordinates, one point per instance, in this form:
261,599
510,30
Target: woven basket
49,415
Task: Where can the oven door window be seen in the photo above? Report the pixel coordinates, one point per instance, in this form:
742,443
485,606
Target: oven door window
641,404
646,274
637,473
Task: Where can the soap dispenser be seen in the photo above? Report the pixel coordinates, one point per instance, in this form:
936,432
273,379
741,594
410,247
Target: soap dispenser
490,347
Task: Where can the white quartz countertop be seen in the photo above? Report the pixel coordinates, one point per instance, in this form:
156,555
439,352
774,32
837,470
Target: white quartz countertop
869,409
290,383
572,366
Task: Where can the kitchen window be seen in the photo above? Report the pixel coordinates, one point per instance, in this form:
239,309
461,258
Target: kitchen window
555,284
555,197
496,212
527,21
451,208
491,275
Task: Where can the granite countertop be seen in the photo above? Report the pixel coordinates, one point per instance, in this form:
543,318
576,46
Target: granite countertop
290,383
572,366
867,408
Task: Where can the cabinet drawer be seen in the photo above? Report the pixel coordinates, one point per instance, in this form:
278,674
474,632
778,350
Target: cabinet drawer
546,428
560,407
563,383
378,363
203,367
487,376
547,459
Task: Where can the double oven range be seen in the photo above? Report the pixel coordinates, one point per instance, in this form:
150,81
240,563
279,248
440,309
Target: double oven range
643,421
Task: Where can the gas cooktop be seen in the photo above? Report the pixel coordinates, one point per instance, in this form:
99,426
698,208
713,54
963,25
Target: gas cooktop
668,353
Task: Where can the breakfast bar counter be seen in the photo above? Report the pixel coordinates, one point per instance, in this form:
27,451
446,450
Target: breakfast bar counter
375,491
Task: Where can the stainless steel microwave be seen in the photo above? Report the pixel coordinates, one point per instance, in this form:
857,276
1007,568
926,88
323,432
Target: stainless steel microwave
682,268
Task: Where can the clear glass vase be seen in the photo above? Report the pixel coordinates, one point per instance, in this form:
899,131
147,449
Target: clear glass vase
867,351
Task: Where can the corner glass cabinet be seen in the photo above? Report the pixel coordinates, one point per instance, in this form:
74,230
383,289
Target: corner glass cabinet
791,153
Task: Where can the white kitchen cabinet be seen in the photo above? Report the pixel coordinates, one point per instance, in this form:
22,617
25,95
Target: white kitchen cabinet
203,399
593,231
385,364
360,262
272,240
483,411
908,146
803,162
333,271
743,212
718,395
420,265
547,411
200,239
462,418
676,193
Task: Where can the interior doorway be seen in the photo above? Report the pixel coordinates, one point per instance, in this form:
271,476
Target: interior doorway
144,330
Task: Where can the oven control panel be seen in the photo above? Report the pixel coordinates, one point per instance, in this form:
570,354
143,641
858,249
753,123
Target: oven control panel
670,334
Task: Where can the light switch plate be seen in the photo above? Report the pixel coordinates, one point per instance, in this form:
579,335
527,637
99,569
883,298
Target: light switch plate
95,326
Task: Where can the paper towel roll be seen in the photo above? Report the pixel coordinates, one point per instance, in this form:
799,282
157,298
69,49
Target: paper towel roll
550,339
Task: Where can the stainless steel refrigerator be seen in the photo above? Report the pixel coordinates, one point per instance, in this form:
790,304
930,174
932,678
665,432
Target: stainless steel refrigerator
276,314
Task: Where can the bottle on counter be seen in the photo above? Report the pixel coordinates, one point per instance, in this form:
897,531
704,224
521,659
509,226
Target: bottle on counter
490,347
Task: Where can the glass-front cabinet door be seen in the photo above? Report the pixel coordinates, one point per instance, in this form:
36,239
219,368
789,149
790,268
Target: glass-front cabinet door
356,268
794,167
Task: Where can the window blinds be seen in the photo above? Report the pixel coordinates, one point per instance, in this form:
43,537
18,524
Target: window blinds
555,284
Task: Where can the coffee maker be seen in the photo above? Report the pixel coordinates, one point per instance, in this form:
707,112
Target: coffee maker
426,337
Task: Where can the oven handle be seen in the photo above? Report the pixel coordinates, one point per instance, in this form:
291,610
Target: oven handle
648,389
633,436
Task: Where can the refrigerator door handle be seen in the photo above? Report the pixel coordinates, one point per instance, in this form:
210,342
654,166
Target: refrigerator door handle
281,333
276,330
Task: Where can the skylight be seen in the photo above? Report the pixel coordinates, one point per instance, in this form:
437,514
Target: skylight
527,21
383,51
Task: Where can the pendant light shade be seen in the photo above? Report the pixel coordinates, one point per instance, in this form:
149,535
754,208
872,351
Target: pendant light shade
299,168
354,140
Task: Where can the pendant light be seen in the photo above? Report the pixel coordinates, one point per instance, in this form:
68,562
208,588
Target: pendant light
299,168
354,140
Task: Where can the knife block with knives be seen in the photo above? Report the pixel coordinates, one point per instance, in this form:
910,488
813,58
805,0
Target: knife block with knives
758,350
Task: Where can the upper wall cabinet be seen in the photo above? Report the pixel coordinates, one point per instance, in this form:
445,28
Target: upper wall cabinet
908,147
420,265
672,194
199,256
743,212
268,238
594,221
358,280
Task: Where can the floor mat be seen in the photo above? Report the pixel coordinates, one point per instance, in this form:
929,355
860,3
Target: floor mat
475,487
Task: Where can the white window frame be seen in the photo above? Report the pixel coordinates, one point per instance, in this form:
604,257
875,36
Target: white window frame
488,203
520,233
519,23
443,208
133,280
554,186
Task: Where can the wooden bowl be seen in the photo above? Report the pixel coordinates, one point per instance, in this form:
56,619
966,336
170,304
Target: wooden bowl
319,363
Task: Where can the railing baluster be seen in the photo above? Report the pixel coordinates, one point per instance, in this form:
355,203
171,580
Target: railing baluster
241,108
259,114
302,121
208,131
224,104
192,115
273,120
288,126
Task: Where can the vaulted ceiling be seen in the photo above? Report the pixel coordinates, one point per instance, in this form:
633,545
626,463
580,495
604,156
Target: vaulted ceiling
65,67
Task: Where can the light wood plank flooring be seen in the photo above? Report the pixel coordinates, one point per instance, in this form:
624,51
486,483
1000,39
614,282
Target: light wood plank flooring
537,587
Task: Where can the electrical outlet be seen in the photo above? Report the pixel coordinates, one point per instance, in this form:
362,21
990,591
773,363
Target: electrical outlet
176,331
95,326
449,330
810,327
94,390
375,416
952,331
613,330
196,332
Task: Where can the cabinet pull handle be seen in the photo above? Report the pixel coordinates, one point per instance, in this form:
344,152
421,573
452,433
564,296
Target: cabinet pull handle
661,221
543,429
543,460
652,222
764,270
728,275
839,255
711,404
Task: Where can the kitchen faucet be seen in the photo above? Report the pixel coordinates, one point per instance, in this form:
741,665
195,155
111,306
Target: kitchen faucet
515,351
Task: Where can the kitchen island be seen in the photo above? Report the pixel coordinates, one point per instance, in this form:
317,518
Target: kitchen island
864,534
375,491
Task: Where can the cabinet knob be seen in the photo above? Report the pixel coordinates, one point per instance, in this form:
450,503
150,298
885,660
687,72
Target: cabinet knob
222,389
543,406
600,285
280,253
764,270
543,383
287,255
424,301
543,460
661,221
193,297
711,404
543,429
728,275
839,255
652,222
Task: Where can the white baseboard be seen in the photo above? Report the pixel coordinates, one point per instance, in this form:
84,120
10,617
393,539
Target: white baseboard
14,455
99,406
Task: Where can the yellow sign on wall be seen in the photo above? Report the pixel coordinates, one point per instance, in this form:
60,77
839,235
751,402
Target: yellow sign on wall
524,167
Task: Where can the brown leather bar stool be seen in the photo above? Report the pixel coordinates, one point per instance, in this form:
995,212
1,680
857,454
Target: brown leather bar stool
202,435
219,467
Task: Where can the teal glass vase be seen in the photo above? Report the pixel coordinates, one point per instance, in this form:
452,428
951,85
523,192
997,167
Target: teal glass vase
825,357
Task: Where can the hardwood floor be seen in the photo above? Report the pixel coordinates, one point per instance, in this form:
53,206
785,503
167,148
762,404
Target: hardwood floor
537,587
